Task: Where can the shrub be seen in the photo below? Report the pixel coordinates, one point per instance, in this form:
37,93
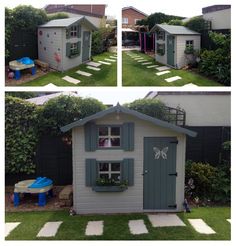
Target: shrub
196,24
21,129
210,183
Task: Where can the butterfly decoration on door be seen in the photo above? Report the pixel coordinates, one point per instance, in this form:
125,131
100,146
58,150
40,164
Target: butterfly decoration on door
160,153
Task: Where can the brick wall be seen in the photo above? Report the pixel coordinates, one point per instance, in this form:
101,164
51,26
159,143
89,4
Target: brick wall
131,14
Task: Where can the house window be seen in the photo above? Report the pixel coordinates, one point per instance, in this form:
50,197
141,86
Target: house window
109,171
161,49
74,49
189,44
109,136
73,31
160,35
125,20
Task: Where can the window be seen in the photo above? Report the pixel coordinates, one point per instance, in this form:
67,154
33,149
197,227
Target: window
189,44
73,31
74,48
125,20
109,171
161,49
109,136
160,35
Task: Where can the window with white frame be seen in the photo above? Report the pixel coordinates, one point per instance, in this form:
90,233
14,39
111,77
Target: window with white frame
109,171
73,31
189,44
125,20
74,48
109,136
160,35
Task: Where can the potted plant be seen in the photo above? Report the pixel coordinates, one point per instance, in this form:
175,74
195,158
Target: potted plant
110,185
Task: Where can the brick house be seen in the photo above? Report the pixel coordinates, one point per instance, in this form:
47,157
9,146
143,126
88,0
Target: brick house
130,16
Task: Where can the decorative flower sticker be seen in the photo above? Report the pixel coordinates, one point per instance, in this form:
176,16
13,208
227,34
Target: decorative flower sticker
160,153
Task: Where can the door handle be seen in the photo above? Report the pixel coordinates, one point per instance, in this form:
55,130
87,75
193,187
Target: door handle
173,174
145,172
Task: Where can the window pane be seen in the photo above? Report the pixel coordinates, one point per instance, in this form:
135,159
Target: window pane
104,176
115,142
115,176
104,142
115,166
103,166
103,131
115,131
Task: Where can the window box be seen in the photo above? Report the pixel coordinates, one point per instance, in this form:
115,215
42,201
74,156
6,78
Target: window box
115,188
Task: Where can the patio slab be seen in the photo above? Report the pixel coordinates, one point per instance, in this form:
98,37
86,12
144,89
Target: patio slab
142,60
200,226
161,73
190,85
103,62
94,64
83,73
137,227
50,85
162,68
94,228
10,226
152,66
94,68
146,63
113,57
165,220
111,60
71,80
172,79
138,58
49,229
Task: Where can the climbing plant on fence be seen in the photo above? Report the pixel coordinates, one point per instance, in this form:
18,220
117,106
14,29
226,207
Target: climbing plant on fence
21,129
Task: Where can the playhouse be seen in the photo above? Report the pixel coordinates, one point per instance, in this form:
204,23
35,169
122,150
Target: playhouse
125,161
171,43
65,43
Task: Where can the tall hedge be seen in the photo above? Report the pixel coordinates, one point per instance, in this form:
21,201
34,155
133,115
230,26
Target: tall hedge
21,129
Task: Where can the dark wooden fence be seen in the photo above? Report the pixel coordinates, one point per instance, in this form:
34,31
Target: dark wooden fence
207,146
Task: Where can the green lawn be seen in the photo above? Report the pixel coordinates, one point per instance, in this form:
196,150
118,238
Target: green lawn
116,226
107,76
135,74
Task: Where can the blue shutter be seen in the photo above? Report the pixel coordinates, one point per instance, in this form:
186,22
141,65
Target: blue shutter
128,136
90,134
79,31
90,172
68,46
127,171
67,33
79,47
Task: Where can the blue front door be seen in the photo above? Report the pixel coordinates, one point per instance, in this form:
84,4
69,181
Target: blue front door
159,173
86,46
171,50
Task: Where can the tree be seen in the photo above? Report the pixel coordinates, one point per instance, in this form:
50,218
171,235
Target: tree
22,94
197,24
176,22
57,16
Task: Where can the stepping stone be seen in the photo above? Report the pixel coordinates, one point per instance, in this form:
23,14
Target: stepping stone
50,85
229,220
111,60
10,226
146,63
172,79
164,220
94,64
94,228
106,63
114,57
152,66
94,68
142,60
161,73
138,58
190,85
49,229
163,68
137,227
71,80
83,73
200,226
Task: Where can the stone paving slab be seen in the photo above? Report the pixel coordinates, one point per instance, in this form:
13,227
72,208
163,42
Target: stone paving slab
146,63
94,228
83,73
152,66
113,57
50,85
138,58
10,226
106,63
172,79
190,85
161,73
229,220
162,68
111,60
94,68
94,64
200,226
142,60
71,80
49,229
137,227
165,220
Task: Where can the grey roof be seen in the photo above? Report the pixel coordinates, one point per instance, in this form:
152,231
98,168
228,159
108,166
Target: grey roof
67,22
120,109
175,30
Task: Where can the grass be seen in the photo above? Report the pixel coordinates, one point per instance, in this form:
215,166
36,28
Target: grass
107,76
135,74
116,226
